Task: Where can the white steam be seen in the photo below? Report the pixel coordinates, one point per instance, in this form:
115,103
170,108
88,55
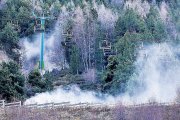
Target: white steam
163,11
142,8
157,74
74,95
117,3
53,51
2,3
156,77
32,52
3,57
106,16
32,47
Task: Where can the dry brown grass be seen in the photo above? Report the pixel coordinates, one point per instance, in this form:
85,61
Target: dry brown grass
149,112
66,113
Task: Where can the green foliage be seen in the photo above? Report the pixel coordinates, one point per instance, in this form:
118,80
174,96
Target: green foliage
56,8
129,21
130,28
19,13
126,58
9,41
155,25
11,82
152,29
9,37
25,22
94,14
109,74
120,69
38,83
34,78
74,60
48,78
174,12
15,22
99,58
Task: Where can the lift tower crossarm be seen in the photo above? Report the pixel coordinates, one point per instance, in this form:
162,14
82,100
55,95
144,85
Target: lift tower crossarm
42,30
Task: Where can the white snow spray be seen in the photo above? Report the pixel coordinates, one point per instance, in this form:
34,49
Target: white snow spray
53,52
157,74
156,78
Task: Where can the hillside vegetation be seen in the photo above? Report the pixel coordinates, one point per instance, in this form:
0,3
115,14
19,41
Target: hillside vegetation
125,24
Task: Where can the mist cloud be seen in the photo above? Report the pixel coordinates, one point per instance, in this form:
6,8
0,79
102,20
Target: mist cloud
156,78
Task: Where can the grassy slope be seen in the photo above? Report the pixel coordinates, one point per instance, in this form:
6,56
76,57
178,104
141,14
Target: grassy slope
150,112
58,114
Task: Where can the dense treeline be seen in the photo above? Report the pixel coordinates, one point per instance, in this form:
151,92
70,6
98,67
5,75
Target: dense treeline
15,22
126,33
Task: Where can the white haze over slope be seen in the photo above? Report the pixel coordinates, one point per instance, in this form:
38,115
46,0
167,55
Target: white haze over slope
3,57
53,51
157,73
156,78
142,8
32,52
157,68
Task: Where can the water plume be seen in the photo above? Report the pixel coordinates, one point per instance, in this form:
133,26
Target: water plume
72,95
156,78
157,74
53,52
157,67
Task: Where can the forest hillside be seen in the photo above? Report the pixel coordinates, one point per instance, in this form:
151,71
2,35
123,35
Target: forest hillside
121,49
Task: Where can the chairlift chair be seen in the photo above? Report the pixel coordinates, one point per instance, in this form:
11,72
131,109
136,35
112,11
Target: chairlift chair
38,27
68,41
105,45
68,34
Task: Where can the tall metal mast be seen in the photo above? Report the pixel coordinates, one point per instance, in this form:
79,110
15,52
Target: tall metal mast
42,30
